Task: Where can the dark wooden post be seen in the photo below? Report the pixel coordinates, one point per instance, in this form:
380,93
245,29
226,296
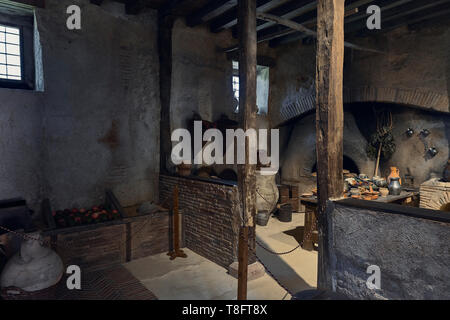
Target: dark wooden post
165,26
329,118
176,252
247,110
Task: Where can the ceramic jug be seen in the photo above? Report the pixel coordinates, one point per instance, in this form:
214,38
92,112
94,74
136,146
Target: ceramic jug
394,187
266,191
395,173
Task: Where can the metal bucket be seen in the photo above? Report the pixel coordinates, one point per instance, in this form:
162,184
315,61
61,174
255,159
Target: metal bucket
285,213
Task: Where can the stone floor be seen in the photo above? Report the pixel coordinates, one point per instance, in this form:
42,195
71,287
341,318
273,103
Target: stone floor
198,278
296,271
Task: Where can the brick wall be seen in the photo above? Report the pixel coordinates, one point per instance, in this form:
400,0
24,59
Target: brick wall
210,217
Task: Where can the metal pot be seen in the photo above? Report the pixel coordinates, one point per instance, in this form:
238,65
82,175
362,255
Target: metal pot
394,186
262,217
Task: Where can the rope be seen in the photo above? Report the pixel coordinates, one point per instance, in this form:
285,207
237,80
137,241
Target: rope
277,253
273,277
281,253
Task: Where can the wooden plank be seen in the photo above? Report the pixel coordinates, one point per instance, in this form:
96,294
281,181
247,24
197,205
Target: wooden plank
292,28
329,118
242,263
290,14
350,9
34,3
210,11
247,110
229,18
296,26
261,60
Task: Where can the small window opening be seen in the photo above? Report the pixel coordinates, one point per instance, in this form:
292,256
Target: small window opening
10,53
262,88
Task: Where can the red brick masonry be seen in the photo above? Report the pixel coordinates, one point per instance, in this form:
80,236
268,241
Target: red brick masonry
210,217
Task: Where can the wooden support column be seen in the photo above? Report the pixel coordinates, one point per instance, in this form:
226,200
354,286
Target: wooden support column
329,118
165,26
247,110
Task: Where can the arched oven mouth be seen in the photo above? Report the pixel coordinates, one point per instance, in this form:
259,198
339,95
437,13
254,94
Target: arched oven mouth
349,165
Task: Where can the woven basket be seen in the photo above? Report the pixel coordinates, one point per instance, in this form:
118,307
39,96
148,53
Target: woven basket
15,293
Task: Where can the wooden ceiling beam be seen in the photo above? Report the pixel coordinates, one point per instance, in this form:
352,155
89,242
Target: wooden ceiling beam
384,6
427,10
291,14
296,26
229,18
34,3
210,11
279,11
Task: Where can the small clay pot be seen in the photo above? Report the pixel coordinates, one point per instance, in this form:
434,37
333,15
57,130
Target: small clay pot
384,192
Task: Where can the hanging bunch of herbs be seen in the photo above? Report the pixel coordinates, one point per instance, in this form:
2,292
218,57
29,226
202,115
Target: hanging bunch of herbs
382,137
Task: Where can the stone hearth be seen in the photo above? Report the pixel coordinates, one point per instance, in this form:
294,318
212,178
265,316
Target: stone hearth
435,194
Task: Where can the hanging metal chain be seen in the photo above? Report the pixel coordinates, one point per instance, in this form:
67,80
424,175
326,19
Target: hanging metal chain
283,253
273,276
308,237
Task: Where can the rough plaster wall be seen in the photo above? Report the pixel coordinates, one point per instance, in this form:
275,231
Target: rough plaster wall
20,145
101,105
407,65
292,79
96,126
300,155
411,156
413,254
417,58
201,75
416,61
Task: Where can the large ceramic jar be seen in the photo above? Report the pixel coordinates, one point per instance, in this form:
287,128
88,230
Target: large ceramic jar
34,268
266,191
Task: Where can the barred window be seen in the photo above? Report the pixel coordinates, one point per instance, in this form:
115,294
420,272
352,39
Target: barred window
10,53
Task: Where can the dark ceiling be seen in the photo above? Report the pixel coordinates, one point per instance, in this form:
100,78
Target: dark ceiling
219,15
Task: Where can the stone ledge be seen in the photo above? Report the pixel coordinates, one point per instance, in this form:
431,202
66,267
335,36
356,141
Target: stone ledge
255,270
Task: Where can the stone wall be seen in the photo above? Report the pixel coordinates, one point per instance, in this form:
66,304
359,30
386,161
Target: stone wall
413,70
211,217
201,75
413,252
96,125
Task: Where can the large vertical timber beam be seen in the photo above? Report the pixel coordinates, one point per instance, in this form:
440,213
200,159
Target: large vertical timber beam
247,110
329,119
165,26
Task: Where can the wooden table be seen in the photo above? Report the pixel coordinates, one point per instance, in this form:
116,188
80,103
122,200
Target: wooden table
310,234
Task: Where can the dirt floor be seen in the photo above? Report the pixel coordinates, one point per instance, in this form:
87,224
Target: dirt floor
198,278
